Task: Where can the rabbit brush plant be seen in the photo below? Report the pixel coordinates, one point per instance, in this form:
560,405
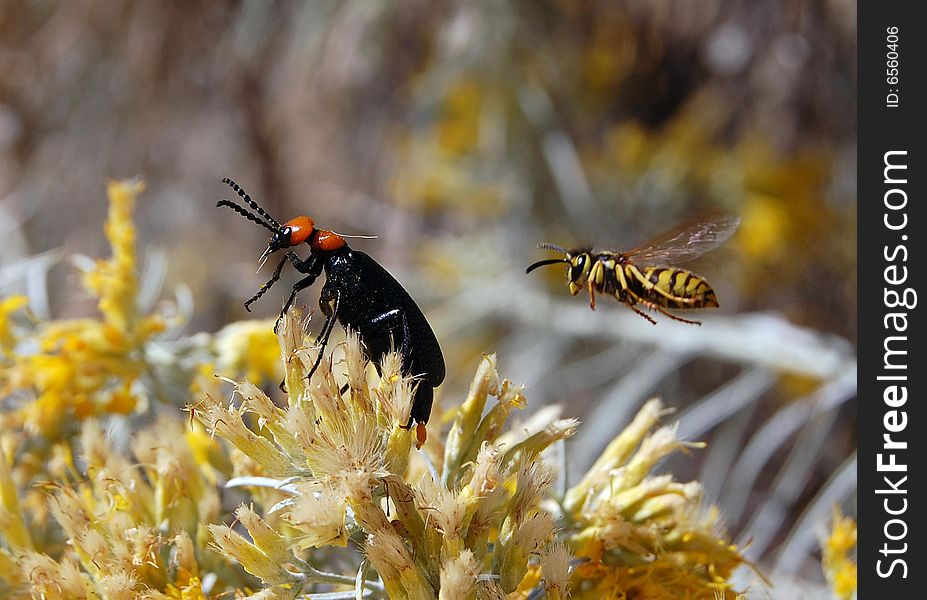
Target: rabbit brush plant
475,511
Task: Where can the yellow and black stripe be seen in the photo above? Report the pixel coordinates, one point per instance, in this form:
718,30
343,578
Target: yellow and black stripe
673,288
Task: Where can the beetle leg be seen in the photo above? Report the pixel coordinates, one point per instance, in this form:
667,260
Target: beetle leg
268,285
303,266
311,265
331,313
313,268
298,287
395,321
389,321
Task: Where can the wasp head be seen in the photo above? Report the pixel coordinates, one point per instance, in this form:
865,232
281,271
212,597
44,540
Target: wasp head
580,266
579,261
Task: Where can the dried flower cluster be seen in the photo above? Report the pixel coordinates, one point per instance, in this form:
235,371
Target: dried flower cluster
321,493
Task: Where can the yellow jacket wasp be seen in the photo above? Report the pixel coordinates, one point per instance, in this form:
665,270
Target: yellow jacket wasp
645,275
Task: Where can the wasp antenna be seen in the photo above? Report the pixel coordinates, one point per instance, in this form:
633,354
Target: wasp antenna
247,198
243,212
545,262
555,247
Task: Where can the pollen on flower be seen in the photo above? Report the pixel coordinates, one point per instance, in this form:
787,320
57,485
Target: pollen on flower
443,507
555,569
459,577
317,514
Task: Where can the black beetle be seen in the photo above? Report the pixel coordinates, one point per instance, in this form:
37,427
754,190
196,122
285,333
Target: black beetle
361,295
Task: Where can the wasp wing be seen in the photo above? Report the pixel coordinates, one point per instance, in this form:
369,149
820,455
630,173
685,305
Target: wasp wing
686,242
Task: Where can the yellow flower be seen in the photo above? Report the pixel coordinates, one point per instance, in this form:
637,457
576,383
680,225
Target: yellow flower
114,281
458,131
86,367
249,348
763,231
642,535
838,563
136,528
7,307
12,526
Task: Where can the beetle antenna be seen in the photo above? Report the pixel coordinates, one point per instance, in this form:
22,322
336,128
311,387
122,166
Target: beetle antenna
244,196
243,212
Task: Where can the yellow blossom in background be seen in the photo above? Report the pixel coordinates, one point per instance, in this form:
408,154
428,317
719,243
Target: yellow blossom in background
457,132
7,307
114,281
86,367
837,548
763,226
12,526
444,163
249,348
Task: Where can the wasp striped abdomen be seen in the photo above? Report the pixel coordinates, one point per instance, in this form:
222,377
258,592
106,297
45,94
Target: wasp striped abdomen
678,288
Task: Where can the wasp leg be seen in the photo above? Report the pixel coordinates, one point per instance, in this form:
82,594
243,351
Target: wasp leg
643,314
622,281
591,295
331,312
638,275
659,308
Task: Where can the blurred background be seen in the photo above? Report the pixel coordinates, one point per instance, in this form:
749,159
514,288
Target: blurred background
462,134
